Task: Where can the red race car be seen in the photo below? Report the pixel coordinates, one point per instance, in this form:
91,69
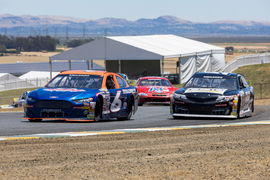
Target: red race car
154,90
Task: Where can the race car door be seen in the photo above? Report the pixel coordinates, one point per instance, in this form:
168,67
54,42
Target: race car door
127,93
116,99
245,94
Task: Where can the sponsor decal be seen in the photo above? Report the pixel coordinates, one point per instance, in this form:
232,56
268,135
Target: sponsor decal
54,97
213,77
65,90
158,89
205,90
92,105
128,91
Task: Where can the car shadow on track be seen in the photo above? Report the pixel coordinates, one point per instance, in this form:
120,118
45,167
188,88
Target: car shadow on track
75,122
204,118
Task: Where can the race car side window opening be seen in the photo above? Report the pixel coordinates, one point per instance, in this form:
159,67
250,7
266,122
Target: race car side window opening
76,81
121,82
242,82
110,83
154,82
212,82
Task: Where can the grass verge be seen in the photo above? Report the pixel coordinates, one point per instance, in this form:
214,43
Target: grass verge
6,97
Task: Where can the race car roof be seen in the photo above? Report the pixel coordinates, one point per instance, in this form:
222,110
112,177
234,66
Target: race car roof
200,74
87,72
153,77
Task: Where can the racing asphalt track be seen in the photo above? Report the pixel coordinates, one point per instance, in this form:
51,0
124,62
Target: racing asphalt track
12,124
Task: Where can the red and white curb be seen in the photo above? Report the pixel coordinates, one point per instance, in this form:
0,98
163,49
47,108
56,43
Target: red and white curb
123,131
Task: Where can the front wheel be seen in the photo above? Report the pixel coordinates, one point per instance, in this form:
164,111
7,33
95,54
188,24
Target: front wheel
98,110
239,109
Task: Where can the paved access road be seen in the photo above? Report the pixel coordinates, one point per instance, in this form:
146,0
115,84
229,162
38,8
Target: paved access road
146,116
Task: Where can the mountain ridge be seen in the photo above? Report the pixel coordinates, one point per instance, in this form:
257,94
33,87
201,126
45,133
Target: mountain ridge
19,25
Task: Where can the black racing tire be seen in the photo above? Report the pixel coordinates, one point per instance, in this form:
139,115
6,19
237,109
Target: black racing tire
252,106
98,110
34,120
130,111
238,109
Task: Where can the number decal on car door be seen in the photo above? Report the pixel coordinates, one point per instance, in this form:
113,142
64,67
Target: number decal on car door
117,103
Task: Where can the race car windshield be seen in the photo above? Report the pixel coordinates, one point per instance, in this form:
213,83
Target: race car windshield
154,82
220,82
76,81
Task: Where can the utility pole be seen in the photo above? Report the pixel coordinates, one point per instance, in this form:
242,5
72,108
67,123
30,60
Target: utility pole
84,30
67,33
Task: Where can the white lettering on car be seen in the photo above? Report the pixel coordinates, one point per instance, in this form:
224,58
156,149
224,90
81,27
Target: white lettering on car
117,103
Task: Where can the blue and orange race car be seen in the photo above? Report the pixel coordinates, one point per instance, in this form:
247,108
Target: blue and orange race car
82,96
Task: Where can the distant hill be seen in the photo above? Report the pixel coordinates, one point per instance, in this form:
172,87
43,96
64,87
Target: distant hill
67,26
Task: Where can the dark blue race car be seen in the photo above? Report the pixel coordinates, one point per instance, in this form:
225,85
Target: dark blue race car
82,96
218,95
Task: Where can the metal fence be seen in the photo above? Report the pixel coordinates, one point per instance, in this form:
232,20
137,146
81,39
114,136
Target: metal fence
246,60
20,84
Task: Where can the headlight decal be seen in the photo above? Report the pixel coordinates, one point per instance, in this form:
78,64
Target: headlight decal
143,94
30,99
179,96
85,101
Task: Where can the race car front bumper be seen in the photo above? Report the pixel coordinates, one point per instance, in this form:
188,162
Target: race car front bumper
63,110
155,99
203,115
211,109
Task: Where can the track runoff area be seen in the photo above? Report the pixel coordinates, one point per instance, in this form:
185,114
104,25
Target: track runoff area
123,131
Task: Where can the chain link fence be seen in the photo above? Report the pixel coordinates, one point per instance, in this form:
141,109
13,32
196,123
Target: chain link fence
247,60
20,84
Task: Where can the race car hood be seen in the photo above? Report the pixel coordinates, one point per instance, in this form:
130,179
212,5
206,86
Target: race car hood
63,93
205,90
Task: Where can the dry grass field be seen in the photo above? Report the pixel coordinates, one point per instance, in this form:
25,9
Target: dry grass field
30,57
27,57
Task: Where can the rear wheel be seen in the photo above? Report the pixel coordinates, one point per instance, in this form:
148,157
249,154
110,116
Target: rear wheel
34,120
252,106
130,110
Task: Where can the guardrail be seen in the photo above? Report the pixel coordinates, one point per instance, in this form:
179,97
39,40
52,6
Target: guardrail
246,60
20,84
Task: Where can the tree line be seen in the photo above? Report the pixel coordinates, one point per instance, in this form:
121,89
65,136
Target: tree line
31,43
35,43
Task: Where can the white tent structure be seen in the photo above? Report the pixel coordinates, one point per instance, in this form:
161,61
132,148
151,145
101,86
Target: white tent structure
38,78
7,77
135,54
9,81
37,75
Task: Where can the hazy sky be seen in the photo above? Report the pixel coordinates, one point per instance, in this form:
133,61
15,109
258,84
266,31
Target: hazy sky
194,10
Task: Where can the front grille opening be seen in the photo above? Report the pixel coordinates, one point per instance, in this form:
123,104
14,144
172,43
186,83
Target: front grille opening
52,114
53,104
202,109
